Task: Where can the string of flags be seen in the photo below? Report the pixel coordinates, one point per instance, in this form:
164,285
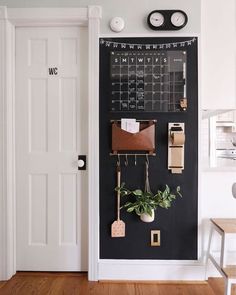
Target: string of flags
123,45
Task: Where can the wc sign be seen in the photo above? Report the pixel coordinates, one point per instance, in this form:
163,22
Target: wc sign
52,71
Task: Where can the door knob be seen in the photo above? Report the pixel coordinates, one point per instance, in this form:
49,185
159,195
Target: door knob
81,162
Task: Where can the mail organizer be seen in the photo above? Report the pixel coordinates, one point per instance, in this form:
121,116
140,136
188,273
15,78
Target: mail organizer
144,140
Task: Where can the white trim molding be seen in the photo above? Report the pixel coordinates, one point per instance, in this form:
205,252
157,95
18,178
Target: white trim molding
94,14
48,16
9,20
7,158
151,270
3,13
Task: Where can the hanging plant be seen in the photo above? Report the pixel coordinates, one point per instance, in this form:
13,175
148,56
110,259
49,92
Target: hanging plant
145,203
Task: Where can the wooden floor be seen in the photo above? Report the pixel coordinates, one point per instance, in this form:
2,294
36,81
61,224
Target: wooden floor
27,283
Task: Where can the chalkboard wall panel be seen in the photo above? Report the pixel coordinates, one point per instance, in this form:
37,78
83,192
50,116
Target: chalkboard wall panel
178,225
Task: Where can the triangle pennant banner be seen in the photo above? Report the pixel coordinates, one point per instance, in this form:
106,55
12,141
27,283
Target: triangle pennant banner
168,45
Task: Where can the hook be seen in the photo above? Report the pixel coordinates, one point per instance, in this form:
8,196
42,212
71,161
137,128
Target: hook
135,159
147,160
118,160
126,160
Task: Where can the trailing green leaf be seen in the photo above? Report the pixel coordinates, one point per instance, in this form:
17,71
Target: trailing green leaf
145,202
137,192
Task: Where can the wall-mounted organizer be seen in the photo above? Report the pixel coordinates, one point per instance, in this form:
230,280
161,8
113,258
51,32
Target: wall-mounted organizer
155,81
126,142
176,140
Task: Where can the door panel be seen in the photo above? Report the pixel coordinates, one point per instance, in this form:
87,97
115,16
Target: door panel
38,199
51,130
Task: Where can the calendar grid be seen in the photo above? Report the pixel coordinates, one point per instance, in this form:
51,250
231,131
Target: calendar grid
148,81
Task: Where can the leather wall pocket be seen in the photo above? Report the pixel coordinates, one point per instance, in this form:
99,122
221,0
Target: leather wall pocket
144,140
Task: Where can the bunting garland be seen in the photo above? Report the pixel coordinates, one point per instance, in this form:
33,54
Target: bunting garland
168,45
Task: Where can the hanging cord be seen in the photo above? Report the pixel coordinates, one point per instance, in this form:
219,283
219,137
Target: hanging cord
147,184
118,170
118,160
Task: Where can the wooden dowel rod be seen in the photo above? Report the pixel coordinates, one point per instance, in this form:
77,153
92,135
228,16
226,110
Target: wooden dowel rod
136,120
127,154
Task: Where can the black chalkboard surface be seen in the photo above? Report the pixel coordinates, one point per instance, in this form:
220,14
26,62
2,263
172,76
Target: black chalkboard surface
178,225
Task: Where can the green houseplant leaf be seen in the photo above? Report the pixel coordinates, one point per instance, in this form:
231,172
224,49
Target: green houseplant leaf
146,202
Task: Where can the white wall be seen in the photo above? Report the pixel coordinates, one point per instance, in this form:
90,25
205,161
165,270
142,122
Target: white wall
134,12
218,54
215,194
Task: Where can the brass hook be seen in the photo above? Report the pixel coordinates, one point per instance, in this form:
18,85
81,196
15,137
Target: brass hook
126,160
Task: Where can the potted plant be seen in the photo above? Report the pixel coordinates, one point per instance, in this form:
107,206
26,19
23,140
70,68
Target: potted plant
145,203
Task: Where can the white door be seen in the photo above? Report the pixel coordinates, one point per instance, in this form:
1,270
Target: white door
51,131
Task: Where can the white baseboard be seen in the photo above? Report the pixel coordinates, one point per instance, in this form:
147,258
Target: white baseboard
153,270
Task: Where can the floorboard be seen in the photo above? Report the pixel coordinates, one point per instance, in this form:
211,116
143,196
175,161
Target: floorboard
217,286
43,283
2,284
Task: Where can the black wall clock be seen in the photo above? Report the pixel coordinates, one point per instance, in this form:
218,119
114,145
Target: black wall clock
167,20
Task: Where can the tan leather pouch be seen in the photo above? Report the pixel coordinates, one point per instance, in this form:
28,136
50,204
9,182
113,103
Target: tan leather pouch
144,140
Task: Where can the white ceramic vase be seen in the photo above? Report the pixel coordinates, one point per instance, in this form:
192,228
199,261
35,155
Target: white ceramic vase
147,218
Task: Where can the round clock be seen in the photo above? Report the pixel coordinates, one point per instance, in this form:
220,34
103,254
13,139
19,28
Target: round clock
155,20
179,19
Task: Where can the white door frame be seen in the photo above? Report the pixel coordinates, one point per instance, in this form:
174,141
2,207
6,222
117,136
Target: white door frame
10,18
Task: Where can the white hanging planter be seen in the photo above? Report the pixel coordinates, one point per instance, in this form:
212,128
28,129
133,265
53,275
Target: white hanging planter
147,218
